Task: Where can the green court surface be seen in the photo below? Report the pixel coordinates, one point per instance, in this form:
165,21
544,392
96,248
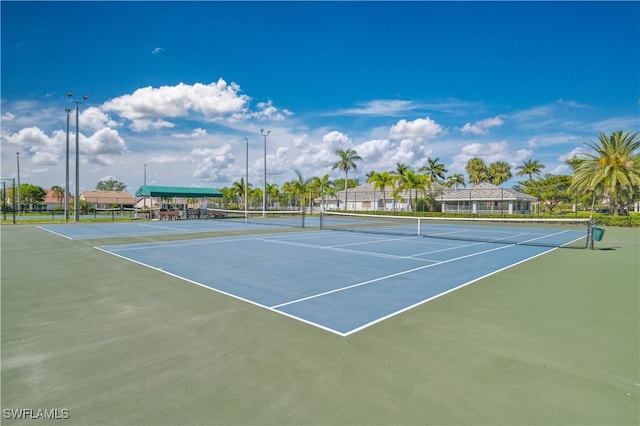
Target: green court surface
104,341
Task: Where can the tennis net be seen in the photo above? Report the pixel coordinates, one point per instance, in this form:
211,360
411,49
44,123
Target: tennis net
565,232
289,218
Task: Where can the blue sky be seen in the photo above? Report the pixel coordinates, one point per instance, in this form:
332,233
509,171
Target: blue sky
179,86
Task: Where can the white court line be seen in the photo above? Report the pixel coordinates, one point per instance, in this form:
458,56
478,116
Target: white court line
163,227
408,271
338,249
342,334
217,290
54,233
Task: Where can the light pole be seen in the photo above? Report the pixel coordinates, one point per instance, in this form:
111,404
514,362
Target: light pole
145,184
246,181
76,202
66,179
19,198
264,183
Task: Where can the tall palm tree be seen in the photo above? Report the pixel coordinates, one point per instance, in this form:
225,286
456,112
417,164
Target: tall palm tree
434,169
477,170
347,162
530,167
300,187
323,186
613,166
456,179
381,180
499,172
396,190
410,181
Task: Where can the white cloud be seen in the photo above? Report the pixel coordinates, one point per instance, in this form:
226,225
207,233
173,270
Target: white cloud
421,128
266,111
169,159
42,148
7,116
380,107
214,101
100,147
157,50
213,163
336,140
373,151
94,118
480,127
45,159
196,133
144,125
490,153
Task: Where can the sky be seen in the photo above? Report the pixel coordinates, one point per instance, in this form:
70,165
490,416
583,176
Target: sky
176,89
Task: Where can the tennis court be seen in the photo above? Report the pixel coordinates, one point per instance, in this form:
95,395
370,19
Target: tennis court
343,282
550,340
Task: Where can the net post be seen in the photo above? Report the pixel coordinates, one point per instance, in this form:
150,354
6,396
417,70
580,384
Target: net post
592,227
419,226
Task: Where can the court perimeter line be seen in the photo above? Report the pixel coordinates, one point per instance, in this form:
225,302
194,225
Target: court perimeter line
54,233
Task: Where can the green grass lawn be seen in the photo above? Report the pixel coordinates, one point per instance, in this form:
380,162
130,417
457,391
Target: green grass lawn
554,340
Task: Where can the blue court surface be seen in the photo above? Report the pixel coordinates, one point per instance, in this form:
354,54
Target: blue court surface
341,282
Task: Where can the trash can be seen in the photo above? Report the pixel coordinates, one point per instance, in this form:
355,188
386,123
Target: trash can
598,233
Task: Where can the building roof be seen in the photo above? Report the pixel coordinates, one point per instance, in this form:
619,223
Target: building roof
176,191
51,197
484,192
481,192
108,197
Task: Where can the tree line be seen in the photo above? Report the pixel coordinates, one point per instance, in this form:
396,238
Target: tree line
609,170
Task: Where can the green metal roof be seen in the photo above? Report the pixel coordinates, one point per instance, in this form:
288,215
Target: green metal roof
176,191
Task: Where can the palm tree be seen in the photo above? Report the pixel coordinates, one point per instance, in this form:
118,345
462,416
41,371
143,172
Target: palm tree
615,165
273,192
410,181
381,180
347,162
477,170
300,187
401,168
58,192
530,167
455,180
499,172
323,186
434,169
574,162
238,189
396,190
